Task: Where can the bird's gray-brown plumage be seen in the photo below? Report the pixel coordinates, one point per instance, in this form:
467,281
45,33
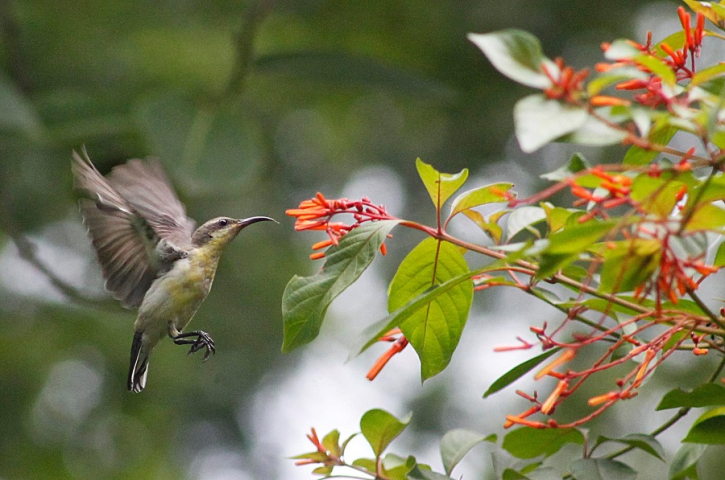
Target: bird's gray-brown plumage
136,222
150,254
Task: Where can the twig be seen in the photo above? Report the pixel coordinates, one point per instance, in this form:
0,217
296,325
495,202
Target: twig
244,51
674,419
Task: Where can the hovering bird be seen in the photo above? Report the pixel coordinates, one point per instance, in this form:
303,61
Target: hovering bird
150,254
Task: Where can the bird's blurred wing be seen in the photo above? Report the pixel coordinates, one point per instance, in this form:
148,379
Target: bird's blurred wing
144,185
124,241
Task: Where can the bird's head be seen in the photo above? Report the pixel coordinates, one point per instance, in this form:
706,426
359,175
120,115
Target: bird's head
216,233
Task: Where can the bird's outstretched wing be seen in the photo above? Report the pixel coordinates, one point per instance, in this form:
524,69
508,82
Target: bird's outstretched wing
126,228
144,185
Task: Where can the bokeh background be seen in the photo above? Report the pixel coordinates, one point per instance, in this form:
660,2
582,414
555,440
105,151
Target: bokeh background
253,106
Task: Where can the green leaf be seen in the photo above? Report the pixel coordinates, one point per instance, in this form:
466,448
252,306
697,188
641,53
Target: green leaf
567,244
717,12
372,333
706,217
380,428
522,218
317,456
331,442
601,469
492,193
707,74
540,473
557,217
675,40
705,395
709,428
455,444
658,67
628,263
419,473
515,54
646,443
396,467
533,471
323,470
518,371
511,474
660,136
435,329
306,299
720,256
657,196
367,463
527,442
440,186
707,192
685,460
716,16
490,227
540,120
576,164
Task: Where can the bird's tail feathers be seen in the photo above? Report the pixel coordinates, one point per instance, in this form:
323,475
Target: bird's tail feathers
139,368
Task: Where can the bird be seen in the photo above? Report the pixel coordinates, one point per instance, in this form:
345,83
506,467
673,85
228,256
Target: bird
151,256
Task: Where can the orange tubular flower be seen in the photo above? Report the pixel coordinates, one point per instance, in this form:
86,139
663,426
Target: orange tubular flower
394,349
568,86
699,29
322,244
677,60
548,405
608,101
316,213
634,84
566,356
643,368
607,397
678,57
685,20
512,420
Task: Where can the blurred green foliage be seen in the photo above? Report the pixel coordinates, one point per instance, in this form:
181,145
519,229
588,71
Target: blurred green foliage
251,106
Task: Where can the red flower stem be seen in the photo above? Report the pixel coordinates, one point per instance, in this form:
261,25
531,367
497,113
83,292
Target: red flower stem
715,319
657,344
682,412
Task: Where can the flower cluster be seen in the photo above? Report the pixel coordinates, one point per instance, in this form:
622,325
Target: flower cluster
616,185
317,212
567,85
676,275
676,59
658,219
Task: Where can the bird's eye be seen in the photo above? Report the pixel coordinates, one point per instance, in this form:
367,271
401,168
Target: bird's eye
223,222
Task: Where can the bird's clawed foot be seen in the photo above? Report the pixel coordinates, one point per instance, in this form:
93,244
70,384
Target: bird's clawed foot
202,340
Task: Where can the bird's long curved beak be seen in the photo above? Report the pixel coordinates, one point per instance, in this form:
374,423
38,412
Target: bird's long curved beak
248,221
